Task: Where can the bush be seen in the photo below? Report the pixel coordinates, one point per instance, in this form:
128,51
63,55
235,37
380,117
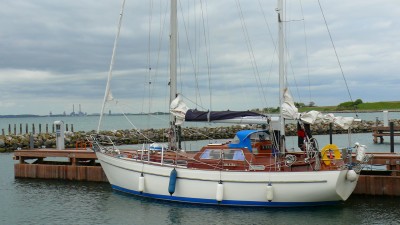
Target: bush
349,105
358,101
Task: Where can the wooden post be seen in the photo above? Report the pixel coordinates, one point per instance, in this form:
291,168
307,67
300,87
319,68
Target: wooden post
40,128
330,133
31,144
15,129
20,128
72,128
9,129
2,132
47,128
33,128
391,125
66,127
26,129
52,128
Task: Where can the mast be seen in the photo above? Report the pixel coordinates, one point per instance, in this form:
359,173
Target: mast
173,69
282,83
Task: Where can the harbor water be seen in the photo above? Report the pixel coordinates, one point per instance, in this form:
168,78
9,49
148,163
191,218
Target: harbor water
35,201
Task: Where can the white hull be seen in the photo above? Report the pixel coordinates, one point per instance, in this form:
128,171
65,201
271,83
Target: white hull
239,187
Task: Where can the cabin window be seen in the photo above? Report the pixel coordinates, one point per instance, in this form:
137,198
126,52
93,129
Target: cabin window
234,154
231,154
211,154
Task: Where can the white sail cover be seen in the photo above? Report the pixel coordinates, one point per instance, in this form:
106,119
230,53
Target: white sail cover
178,108
290,111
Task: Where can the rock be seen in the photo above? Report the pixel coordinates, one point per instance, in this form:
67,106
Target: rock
11,142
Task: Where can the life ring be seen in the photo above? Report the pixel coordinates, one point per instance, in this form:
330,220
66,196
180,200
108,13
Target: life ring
330,152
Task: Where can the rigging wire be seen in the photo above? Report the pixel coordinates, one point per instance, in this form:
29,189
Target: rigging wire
153,77
306,46
275,48
149,56
191,55
337,57
286,46
194,102
130,122
207,50
256,73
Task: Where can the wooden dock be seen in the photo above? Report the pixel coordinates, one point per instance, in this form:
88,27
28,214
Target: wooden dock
81,165
385,182
382,131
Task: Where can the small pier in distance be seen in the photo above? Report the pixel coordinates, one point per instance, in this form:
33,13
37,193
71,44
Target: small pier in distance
387,129
382,131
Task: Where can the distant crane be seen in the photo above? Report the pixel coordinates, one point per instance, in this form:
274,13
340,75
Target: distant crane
80,113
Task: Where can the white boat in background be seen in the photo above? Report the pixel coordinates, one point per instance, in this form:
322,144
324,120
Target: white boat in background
254,169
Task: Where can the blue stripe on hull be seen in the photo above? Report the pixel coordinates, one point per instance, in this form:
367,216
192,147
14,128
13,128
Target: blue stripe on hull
223,202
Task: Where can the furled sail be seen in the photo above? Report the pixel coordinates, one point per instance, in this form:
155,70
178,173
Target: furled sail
182,113
291,112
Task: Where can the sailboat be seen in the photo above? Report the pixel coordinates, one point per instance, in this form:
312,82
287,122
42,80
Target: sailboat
254,169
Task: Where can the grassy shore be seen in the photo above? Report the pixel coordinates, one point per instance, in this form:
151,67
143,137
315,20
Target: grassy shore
367,107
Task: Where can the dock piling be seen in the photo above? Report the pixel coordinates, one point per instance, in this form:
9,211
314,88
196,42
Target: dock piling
31,144
391,124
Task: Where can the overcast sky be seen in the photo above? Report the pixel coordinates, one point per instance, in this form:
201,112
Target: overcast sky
55,54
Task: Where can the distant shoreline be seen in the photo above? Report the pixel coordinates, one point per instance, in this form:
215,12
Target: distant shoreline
61,115
164,113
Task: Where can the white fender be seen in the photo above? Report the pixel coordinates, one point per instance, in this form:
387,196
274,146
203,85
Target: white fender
351,175
141,183
220,192
270,192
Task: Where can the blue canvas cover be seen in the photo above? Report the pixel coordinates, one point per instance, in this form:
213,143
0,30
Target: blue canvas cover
243,137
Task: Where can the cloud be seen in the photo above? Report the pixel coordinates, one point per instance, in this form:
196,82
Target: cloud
57,53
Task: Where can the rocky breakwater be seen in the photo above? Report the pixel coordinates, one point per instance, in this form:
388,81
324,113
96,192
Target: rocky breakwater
126,137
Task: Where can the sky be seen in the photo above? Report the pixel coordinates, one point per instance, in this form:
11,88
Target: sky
56,54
